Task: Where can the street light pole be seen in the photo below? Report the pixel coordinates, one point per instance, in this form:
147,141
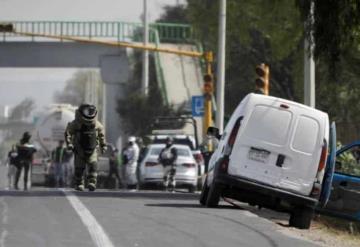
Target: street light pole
145,68
309,66
220,84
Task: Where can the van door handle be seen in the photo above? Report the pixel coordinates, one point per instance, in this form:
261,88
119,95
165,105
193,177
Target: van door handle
280,160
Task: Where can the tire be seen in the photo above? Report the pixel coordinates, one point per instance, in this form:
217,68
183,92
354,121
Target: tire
213,197
301,217
204,194
192,189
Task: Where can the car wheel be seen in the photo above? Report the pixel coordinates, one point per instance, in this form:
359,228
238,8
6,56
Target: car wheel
192,189
213,197
142,186
301,217
204,194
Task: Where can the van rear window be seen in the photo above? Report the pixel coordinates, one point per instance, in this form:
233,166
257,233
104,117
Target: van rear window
269,124
306,135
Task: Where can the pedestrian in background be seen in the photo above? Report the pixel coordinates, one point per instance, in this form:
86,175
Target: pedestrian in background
58,159
113,166
11,164
26,152
131,154
167,157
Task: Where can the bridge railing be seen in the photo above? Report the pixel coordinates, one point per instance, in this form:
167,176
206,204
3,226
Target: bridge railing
121,31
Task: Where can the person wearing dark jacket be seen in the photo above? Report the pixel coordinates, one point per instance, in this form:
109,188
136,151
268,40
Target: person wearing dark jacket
25,151
167,158
58,159
113,166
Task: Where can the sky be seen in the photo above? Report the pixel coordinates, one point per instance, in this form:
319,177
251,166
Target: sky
17,84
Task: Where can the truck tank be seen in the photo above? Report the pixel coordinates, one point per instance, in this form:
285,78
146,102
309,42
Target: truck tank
49,130
51,125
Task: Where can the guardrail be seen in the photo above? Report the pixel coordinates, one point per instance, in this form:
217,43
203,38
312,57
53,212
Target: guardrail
121,31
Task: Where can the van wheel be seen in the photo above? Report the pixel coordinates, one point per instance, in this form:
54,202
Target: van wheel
204,194
213,197
301,217
192,189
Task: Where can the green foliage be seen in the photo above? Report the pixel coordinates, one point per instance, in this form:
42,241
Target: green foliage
258,31
272,32
335,27
174,14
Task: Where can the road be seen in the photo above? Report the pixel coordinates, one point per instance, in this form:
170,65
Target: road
61,217
50,217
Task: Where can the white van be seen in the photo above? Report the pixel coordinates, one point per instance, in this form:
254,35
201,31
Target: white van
273,153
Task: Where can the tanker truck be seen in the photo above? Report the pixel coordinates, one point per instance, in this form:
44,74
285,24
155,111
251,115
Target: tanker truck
49,130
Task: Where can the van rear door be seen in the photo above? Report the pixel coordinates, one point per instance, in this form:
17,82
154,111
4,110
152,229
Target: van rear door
280,145
261,139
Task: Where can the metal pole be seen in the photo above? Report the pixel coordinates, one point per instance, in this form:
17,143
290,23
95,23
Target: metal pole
104,102
309,67
220,84
145,68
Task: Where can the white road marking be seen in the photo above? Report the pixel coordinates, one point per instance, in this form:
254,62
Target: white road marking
96,231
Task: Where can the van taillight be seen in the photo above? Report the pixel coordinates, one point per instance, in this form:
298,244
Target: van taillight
323,157
224,165
234,132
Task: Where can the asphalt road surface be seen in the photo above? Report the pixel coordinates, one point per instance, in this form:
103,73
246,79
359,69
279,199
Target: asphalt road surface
61,217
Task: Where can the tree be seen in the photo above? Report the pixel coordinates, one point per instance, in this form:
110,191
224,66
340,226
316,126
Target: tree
174,14
258,31
272,32
22,110
74,92
335,26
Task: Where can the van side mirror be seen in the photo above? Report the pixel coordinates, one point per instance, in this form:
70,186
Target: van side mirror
213,131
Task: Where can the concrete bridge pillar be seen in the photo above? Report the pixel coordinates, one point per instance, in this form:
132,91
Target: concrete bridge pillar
115,74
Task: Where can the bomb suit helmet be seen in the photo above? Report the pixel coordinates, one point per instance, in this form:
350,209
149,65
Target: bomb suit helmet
87,112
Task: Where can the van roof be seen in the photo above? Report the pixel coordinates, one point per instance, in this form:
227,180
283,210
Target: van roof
265,98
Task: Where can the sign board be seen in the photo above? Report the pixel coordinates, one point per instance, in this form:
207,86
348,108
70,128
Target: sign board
197,106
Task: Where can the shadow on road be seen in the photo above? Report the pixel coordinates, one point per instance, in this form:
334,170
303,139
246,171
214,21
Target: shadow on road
187,205
112,194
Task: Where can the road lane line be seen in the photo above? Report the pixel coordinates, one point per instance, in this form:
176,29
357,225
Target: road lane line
96,231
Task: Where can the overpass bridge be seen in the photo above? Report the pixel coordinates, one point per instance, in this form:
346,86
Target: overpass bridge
179,78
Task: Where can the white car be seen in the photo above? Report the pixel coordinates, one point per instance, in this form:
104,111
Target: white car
273,153
151,171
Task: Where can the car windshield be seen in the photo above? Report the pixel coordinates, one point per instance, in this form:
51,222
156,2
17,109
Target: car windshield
181,151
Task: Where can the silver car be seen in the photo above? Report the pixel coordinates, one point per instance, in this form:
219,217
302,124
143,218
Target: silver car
151,171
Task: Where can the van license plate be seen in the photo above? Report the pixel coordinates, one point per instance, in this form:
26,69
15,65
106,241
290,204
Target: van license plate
259,155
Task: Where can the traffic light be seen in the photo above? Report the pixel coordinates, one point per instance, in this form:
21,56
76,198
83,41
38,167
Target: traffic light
6,27
262,79
208,84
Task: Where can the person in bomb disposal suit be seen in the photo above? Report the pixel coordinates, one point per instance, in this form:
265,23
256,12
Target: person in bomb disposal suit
84,136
